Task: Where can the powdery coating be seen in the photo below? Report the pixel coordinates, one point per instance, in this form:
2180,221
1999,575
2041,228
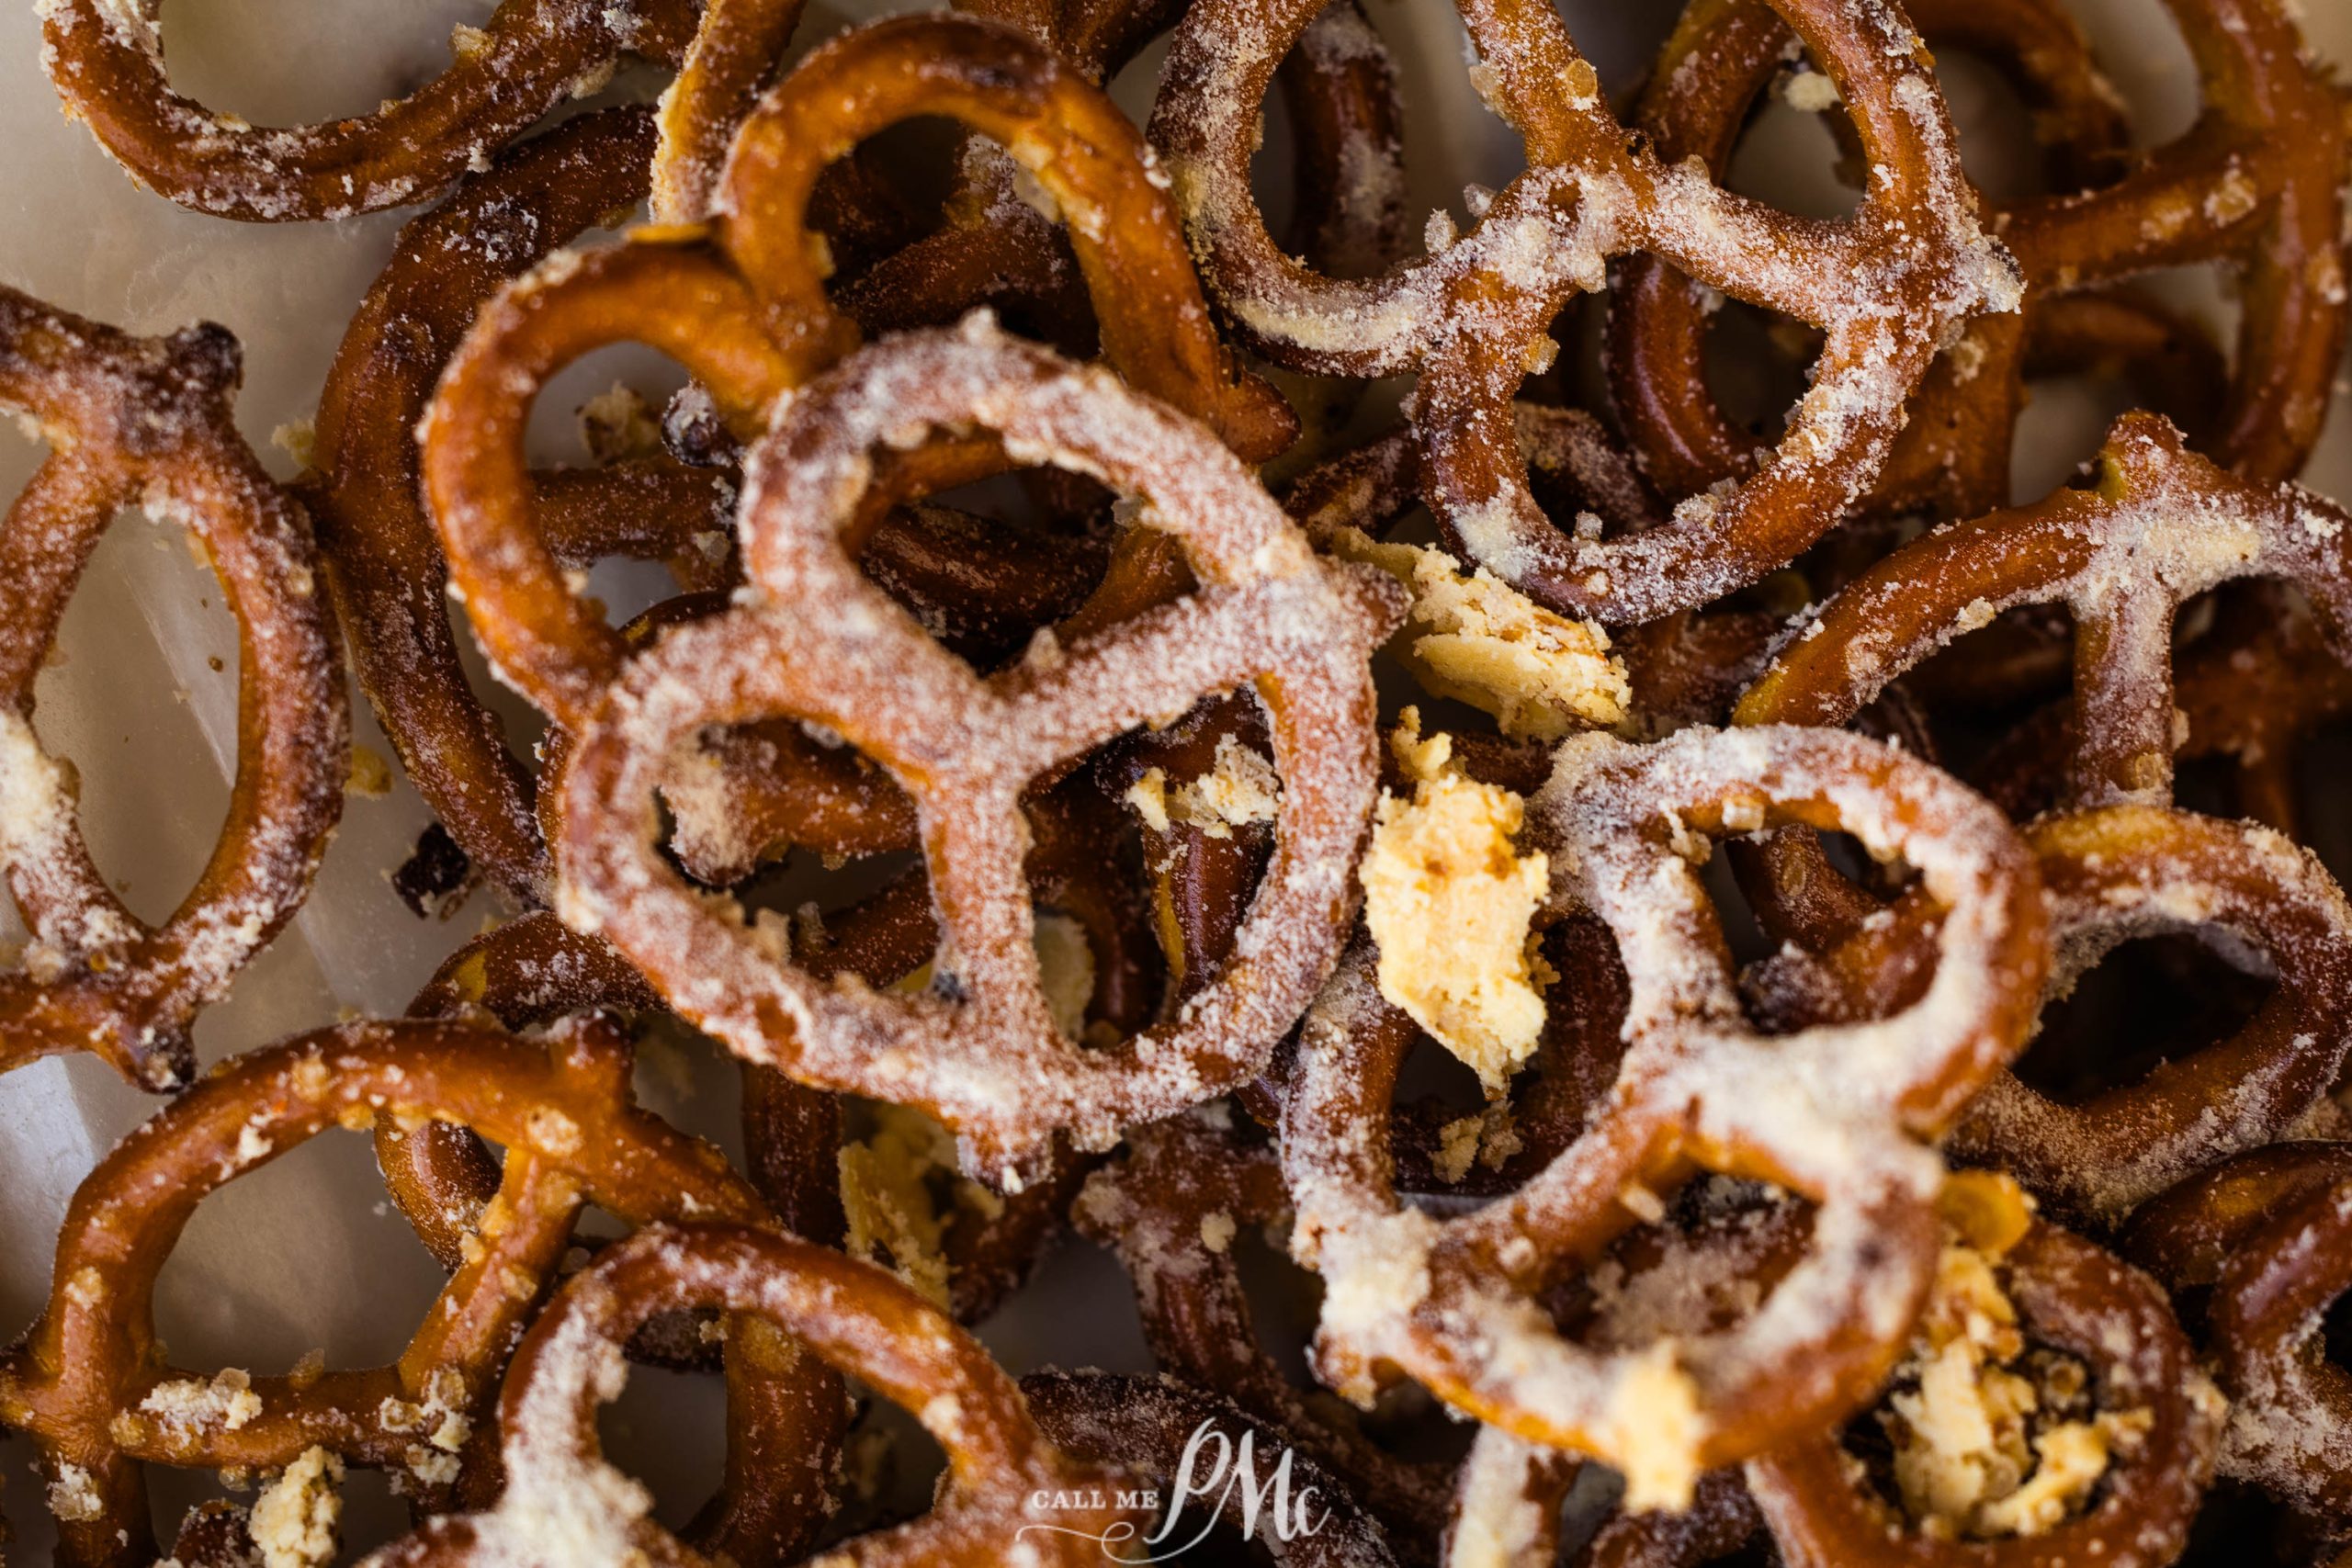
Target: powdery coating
981,1049
2163,526
2125,872
147,424
296,1518
106,59
1833,1113
564,1503
1889,286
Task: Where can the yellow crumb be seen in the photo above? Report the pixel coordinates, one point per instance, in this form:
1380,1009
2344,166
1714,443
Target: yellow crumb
1240,788
1472,636
886,1197
1450,903
1655,1429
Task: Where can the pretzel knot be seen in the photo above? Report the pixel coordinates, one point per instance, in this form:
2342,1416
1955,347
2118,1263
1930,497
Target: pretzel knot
2267,1237
146,423
1003,1473
106,61
2257,181
88,1383
1834,1114
1888,286
981,1051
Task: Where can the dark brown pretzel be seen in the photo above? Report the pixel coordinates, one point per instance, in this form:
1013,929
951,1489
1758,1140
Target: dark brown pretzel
2265,1242
89,1382
2257,180
1474,319
141,422
106,61
1003,1473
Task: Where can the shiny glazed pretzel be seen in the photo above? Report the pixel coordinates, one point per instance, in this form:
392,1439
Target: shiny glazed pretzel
106,61
979,1051
1833,1113
88,1383
2257,180
1472,318
2266,1240
851,1314
138,422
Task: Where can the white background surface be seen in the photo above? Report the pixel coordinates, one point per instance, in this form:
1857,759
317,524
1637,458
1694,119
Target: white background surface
303,1254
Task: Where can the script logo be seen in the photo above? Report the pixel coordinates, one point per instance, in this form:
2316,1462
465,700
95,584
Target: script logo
1216,1471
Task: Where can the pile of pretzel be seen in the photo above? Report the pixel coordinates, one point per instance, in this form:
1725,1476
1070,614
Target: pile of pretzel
1956,1169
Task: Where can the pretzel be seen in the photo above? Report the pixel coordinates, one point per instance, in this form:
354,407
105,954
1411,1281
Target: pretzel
1472,318
1003,1473
2266,1239
1269,613
1168,1211
1831,1113
141,422
2255,182
88,1383
2112,876
107,62
2163,526
1157,1428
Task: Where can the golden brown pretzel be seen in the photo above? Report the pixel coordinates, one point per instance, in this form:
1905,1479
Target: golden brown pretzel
1472,318
2264,1242
106,61
89,1383
1832,1113
979,1051
2257,179
1003,1473
141,422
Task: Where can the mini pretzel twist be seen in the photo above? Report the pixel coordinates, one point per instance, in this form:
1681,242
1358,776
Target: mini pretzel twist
136,422
1472,319
88,1382
2257,181
980,1052
1833,1113
856,1317
107,62
1168,1211
2264,1240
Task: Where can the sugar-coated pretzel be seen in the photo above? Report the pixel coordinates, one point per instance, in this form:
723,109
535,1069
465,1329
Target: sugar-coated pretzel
365,486
142,422
980,1052
2257,179
106,61
1472,318
2108,876
88,1382
2265,1241
1169,1209
1003,1474
2071,1296
2162,525
1150,1426
1832,1113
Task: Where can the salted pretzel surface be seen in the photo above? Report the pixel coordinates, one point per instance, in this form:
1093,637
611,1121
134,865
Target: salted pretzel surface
146,423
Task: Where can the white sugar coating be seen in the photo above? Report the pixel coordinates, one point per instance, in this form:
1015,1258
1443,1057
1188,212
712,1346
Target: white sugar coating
2164,526
1501,1511
1833,1106
2284,1429
2238,886
982,1045
498,87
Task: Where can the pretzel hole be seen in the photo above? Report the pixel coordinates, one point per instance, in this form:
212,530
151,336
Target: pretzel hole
1791,157
668,1430
2154,999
